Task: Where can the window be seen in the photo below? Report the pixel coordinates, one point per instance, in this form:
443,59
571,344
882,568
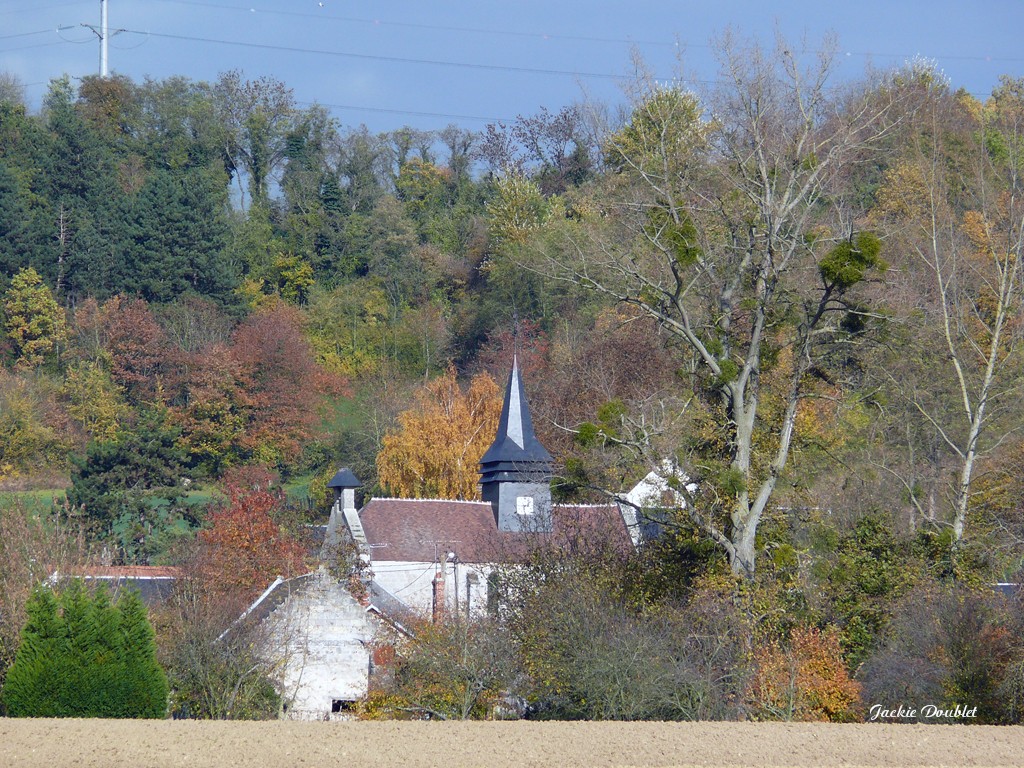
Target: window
493,593
524,505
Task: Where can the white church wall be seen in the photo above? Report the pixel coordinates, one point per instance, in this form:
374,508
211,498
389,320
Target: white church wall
320,638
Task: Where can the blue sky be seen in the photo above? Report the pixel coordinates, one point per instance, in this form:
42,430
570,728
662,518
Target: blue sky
428,64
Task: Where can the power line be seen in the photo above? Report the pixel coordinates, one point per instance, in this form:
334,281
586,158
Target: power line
548,36
378,57
35,7
25,34
484,30
405,60
62,41
416,25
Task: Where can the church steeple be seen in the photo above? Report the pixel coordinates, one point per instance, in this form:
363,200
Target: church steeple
515,472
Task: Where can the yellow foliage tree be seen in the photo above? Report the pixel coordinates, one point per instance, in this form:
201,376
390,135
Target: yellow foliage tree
94,400
436,451
517,209
35,321
807,681
27,439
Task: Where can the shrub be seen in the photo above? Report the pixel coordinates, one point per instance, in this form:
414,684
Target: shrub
806,680
947,647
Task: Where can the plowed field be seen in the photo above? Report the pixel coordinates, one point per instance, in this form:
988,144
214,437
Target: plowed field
111,744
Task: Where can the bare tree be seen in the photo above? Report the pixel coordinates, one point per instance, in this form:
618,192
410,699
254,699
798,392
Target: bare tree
258,115
456,669
12,89
954,203
213,658
32,548
731,225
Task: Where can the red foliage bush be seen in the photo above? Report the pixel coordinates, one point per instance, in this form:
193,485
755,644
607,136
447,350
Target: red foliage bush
243,549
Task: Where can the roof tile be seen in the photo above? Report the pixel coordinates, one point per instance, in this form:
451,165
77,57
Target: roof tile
422,530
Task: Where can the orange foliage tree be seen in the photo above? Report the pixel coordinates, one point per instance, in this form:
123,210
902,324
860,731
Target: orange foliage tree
141,358
244,548
282,382
807,681
255,399
436,451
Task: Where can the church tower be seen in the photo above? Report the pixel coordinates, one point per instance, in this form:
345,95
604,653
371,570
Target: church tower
515,473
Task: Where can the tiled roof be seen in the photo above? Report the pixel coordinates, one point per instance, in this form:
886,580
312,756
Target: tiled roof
421,530
154,583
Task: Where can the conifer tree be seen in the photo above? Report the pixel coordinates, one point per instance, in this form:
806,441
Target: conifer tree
84,656
33,672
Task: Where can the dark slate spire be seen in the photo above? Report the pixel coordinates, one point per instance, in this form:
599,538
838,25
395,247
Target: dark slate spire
516,470
515,453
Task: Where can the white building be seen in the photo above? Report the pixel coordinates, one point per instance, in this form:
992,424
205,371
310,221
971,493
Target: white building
317,638
436,555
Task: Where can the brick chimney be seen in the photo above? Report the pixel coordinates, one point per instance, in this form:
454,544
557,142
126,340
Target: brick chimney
437,613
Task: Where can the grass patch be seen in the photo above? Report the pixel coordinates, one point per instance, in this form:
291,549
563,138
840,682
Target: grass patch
342,414
38,501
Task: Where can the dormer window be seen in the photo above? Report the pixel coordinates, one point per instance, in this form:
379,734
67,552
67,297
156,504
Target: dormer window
524,505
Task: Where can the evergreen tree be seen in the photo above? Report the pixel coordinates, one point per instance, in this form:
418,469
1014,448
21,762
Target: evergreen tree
84,656
13,222
142,462
33,670
128,485
145,683
177,234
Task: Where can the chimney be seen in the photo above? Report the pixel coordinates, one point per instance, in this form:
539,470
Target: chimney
437,614
344,485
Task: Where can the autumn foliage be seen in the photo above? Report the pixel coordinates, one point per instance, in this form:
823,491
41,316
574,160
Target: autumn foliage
33,320
243,548
436,451
281,380
255,398
805,681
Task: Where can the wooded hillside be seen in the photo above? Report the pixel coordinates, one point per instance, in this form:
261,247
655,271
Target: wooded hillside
805,294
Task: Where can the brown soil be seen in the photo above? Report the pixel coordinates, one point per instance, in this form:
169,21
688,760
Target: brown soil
111,744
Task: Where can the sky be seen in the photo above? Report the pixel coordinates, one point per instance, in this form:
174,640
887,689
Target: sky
429,64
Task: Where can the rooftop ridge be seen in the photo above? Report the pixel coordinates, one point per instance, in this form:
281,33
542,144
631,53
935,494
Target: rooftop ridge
410,498
559,505
126,572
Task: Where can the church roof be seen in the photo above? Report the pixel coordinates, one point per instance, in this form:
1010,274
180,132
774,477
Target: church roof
426,530
515,445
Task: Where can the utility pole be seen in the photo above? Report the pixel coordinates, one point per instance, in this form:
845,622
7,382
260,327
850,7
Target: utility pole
103,34
103,38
